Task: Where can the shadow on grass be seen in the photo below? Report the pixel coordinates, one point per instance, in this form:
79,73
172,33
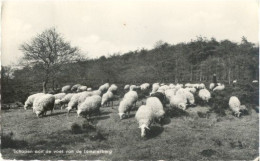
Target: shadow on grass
105,112
154,131
99,118
58,113
7,141
166,121
176,112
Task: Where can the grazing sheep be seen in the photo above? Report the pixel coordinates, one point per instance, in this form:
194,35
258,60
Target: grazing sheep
204,94
255,81
178,101
160,96
155,87
169,93
181,91
172,86
132,87
235,104
234,81
43,103
188,85
66,89
59,96
75,87
89,106
65,100
192,90
89,89
178,86
211,86
77,99
112,88
145,86
219,87
29,102
108,96
144,117
127,103
82,88
164,87
96,92
127,87
103,88
157,107
202,86
190,97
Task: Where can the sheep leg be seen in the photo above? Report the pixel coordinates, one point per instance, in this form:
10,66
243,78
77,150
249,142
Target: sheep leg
112,105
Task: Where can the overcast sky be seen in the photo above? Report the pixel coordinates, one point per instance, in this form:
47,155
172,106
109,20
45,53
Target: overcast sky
106,27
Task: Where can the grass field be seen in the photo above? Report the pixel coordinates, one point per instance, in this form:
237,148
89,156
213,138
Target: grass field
192,135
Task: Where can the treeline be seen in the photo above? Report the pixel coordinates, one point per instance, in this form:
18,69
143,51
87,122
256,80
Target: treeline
195,61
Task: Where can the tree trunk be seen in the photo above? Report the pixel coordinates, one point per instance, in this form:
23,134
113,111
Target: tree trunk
176,79
200,72
190,73
44,86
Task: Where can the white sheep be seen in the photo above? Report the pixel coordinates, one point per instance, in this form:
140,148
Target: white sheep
113,88
127,103
172,86
178,101
59,96
188,85
65,100
181,91
43,103
96,92
169,93
190,97
204,94
66,89
192,90
127,86
211,86
255,81
132,87
82,88
107,97
202,86
156,106
144,117
145,86
77,99
187,94
89,106
132,94
219,87
155,87
75,87
103,88
29,102
234,81
235,104
89,89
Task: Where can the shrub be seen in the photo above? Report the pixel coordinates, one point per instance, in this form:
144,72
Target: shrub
7,141
75,128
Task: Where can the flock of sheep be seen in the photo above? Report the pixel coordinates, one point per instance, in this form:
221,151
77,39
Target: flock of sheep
88,102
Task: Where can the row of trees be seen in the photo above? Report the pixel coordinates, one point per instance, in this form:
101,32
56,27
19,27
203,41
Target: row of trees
50,60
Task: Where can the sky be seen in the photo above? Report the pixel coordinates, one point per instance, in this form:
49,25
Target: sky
104,27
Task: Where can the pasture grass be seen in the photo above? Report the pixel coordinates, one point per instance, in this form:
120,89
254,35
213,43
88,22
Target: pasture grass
198,134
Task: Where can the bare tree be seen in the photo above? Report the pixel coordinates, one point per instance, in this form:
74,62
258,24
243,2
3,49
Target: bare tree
49,51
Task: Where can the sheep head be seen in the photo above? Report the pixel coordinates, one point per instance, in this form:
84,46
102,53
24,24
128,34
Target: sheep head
143,129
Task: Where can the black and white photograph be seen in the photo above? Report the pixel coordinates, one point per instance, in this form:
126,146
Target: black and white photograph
130,80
